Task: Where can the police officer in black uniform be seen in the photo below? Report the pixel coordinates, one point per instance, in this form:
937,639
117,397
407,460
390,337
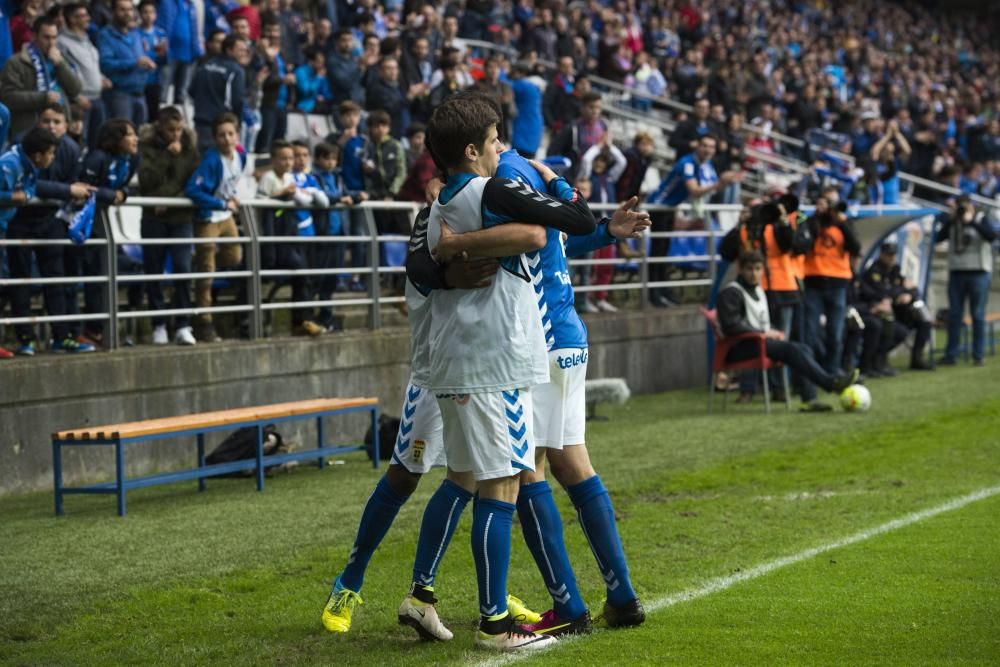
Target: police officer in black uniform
896,305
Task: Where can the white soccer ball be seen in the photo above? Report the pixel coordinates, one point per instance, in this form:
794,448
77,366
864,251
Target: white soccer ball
856,398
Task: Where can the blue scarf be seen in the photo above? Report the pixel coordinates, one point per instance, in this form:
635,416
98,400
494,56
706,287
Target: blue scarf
41,68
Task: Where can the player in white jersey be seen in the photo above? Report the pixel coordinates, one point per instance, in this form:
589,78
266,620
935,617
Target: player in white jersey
487,348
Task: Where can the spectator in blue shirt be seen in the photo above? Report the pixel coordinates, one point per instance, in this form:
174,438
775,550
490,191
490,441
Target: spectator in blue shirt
330,256
310,82
125,63
19,171
528,125
692,177
154,45
179,20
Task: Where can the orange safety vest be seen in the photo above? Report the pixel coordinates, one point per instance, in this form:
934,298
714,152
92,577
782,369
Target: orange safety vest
780,273
828,258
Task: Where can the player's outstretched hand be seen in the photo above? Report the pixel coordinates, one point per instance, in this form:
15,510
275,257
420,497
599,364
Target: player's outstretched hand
627,223
465,273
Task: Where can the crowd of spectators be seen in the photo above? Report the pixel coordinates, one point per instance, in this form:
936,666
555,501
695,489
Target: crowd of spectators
891,84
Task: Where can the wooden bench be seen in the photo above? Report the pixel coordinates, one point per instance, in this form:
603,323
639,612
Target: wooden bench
198,425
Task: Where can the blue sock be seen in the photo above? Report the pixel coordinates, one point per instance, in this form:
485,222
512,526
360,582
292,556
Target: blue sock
491,525
597,518
543,533
440,519
380,511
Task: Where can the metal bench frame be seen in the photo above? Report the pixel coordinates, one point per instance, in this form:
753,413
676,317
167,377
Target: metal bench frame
122,484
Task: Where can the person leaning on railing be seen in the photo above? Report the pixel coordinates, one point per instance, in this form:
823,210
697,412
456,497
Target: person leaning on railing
212,187
59,181
19,176
109,168
169,155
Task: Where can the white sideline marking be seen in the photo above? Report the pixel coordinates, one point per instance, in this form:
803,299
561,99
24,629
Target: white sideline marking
722,583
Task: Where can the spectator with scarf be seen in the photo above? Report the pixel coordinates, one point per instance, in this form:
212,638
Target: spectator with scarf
37,76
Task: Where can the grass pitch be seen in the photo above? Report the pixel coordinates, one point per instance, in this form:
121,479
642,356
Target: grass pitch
231,576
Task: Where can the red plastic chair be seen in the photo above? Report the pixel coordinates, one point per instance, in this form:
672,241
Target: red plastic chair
723,344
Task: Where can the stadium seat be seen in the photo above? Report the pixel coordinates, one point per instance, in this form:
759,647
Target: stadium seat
723,344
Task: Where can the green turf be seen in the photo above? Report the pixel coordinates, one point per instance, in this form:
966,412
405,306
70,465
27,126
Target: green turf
233,576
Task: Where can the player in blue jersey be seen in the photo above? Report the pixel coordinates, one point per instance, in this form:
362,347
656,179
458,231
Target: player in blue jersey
560,424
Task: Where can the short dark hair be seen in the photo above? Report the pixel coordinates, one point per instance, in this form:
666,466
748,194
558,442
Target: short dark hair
324,149
53,106
41,22
169,115
708,135
378,117
344,31
300,143
223,118
229,42
749,257
143,3
348,106
110,136
72,8
279,145
38,140
388,46
460,121
415,128
769,213
311,52
590,96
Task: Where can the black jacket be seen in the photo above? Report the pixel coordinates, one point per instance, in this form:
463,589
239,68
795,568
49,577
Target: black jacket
219,85
391,99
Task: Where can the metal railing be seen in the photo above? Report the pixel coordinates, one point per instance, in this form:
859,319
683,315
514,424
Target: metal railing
255,275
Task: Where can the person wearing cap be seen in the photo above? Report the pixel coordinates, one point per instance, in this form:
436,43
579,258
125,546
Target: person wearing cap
970,265
895,303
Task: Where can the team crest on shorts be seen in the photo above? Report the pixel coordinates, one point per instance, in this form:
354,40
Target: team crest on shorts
418,450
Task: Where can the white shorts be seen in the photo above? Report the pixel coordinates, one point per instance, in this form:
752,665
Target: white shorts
560,407
488,434
419,441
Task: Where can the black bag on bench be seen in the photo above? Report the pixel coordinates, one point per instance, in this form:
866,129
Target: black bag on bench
242,444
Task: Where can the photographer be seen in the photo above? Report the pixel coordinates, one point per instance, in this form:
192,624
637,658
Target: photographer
895,305
970,264
828,242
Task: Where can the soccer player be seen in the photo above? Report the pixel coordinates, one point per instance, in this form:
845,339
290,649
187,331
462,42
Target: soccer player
487,346
560,423
419,447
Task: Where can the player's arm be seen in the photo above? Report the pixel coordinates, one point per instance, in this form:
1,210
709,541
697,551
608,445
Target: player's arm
427,274
505,200
506,240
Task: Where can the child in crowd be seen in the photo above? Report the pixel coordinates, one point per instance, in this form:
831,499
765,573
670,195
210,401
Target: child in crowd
353,146
19,169
603,163
169,153
329,223
110,168
307,189
280,183
212,187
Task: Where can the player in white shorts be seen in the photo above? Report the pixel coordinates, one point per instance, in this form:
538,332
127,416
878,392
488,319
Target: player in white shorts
487,346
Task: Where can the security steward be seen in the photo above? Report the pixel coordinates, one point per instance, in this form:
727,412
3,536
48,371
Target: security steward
897,309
